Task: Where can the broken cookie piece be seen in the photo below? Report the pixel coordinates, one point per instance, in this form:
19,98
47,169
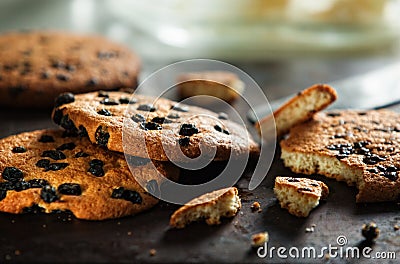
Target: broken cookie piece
299,195
210,206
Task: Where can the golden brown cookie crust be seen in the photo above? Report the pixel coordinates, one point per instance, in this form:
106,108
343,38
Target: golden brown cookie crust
96,201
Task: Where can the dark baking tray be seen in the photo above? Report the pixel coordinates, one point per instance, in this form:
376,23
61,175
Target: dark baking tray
62,238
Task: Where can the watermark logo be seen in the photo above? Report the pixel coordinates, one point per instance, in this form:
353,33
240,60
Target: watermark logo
163,83
339,250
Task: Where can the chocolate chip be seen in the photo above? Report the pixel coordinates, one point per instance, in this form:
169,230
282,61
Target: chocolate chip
34,209
12,174
21,186
333,114
108,101
373,159
43,163
103,94
57,64
57,116
180,108
70,68
128,195
46,139
45,75
304,190
392,168
56,166
218,128
373,170
69,146
92,82
53,154
19,149
96,167
161,120
6,186
81,154
188,130
104,112
173,116
362,151
62,77
339,136
138,118
125,100
3,194
38,183
370,231
104,55
361,144
292,180
184,142
70,189
314,184
362,113
391,175
146,107
102,136
48,194
64,98
222,116
341,156
150,126
136,161
82,132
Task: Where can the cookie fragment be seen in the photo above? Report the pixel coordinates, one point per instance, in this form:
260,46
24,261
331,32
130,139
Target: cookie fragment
210,206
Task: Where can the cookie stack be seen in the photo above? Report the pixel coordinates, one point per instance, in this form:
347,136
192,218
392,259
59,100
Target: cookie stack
82,168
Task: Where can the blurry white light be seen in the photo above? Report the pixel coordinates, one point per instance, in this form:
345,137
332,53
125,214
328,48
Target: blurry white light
173,36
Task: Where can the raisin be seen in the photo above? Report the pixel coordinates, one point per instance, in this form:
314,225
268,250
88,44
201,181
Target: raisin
43,163
62,77
38,183
108,101
173,116
12,174
19,149
138,118
57,116
46,139
180,108
125,100
188,130
102,136
161,120
104,112
81,154
96,167
56,166
53,154
69,146
70,189
370,231
103,94
146,107
67,123
150,126
184,142
304,190
136,161
222,116
92,82
128,195
48,194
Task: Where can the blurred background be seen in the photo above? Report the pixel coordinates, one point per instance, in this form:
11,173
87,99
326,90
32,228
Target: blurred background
285,45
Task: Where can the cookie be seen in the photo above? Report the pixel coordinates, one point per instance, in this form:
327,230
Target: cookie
361,148
297,110
210,206
299,195
37,66
153,127
221,84
53,171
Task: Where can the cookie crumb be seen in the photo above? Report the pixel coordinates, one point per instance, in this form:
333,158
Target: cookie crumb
396,227
17,252
258,240
256,207
327,256
152,252
370,231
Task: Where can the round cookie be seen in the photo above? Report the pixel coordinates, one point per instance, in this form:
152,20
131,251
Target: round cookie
361,148
157,129
53,171
37,66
